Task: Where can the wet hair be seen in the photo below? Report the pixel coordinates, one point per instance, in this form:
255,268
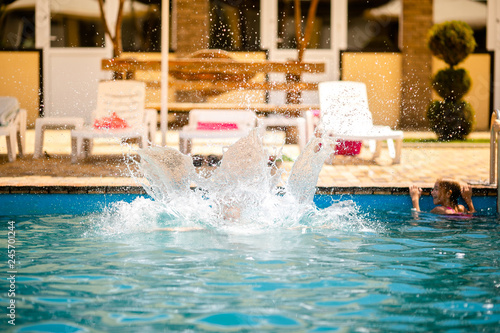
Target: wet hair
453,186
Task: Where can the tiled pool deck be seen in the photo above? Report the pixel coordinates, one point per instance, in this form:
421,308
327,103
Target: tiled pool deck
421,164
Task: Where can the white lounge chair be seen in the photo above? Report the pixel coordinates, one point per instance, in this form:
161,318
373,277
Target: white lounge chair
13,126
216,124
125,99
345,115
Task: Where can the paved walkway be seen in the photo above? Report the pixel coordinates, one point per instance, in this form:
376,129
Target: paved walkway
421,163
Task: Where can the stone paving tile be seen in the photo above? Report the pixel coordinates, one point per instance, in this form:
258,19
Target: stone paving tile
421,164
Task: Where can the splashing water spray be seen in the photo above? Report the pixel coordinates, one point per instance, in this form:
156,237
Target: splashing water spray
242,194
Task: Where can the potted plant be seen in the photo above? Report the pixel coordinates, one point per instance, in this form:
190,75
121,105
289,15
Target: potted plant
451,118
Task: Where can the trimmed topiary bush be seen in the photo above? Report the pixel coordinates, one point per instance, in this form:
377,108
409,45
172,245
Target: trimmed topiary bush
452,41
452,84
452,118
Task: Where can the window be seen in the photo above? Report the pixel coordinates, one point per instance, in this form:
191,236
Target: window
75,25
17,26
81,25
235,25
320,37
373,25
78,24
141,29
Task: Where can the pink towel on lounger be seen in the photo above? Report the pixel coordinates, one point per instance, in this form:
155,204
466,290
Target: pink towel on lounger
212,126
111,122
349,148
316,113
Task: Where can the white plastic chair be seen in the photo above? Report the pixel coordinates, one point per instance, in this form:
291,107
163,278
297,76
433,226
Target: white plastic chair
13,126
125,98
345,115
216,124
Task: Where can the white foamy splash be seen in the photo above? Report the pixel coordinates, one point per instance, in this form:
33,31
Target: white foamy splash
240,196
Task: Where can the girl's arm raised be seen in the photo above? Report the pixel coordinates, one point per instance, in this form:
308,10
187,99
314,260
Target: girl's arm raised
415,193
467,196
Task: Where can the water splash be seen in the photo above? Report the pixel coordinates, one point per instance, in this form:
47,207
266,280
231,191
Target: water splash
243,195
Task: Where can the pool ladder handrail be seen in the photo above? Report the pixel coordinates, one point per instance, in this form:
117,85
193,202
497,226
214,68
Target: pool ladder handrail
495,152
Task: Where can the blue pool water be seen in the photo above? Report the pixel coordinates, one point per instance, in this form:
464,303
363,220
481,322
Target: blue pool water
82,265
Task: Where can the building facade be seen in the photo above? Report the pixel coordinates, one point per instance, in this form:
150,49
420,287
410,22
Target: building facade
391,31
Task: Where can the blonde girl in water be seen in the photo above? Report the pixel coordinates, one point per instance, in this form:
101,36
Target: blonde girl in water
445,196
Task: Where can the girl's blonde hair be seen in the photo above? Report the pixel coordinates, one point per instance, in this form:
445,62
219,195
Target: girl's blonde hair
453,186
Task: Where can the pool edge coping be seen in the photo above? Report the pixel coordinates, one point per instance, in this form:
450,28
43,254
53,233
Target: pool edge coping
478,190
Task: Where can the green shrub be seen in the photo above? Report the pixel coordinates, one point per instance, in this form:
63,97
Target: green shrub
452,83
451,41
451,120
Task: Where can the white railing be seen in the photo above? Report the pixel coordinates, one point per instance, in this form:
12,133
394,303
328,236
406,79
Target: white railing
495,152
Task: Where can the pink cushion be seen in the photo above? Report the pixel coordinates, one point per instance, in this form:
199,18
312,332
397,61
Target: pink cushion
211,126
111,122
349,148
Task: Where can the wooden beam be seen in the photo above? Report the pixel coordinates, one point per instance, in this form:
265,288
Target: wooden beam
216,66
228,86
258,107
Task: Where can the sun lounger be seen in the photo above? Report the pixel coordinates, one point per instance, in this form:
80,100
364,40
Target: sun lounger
216,124
12,126
345,115
120,114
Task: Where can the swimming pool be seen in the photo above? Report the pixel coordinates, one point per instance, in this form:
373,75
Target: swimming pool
372,266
